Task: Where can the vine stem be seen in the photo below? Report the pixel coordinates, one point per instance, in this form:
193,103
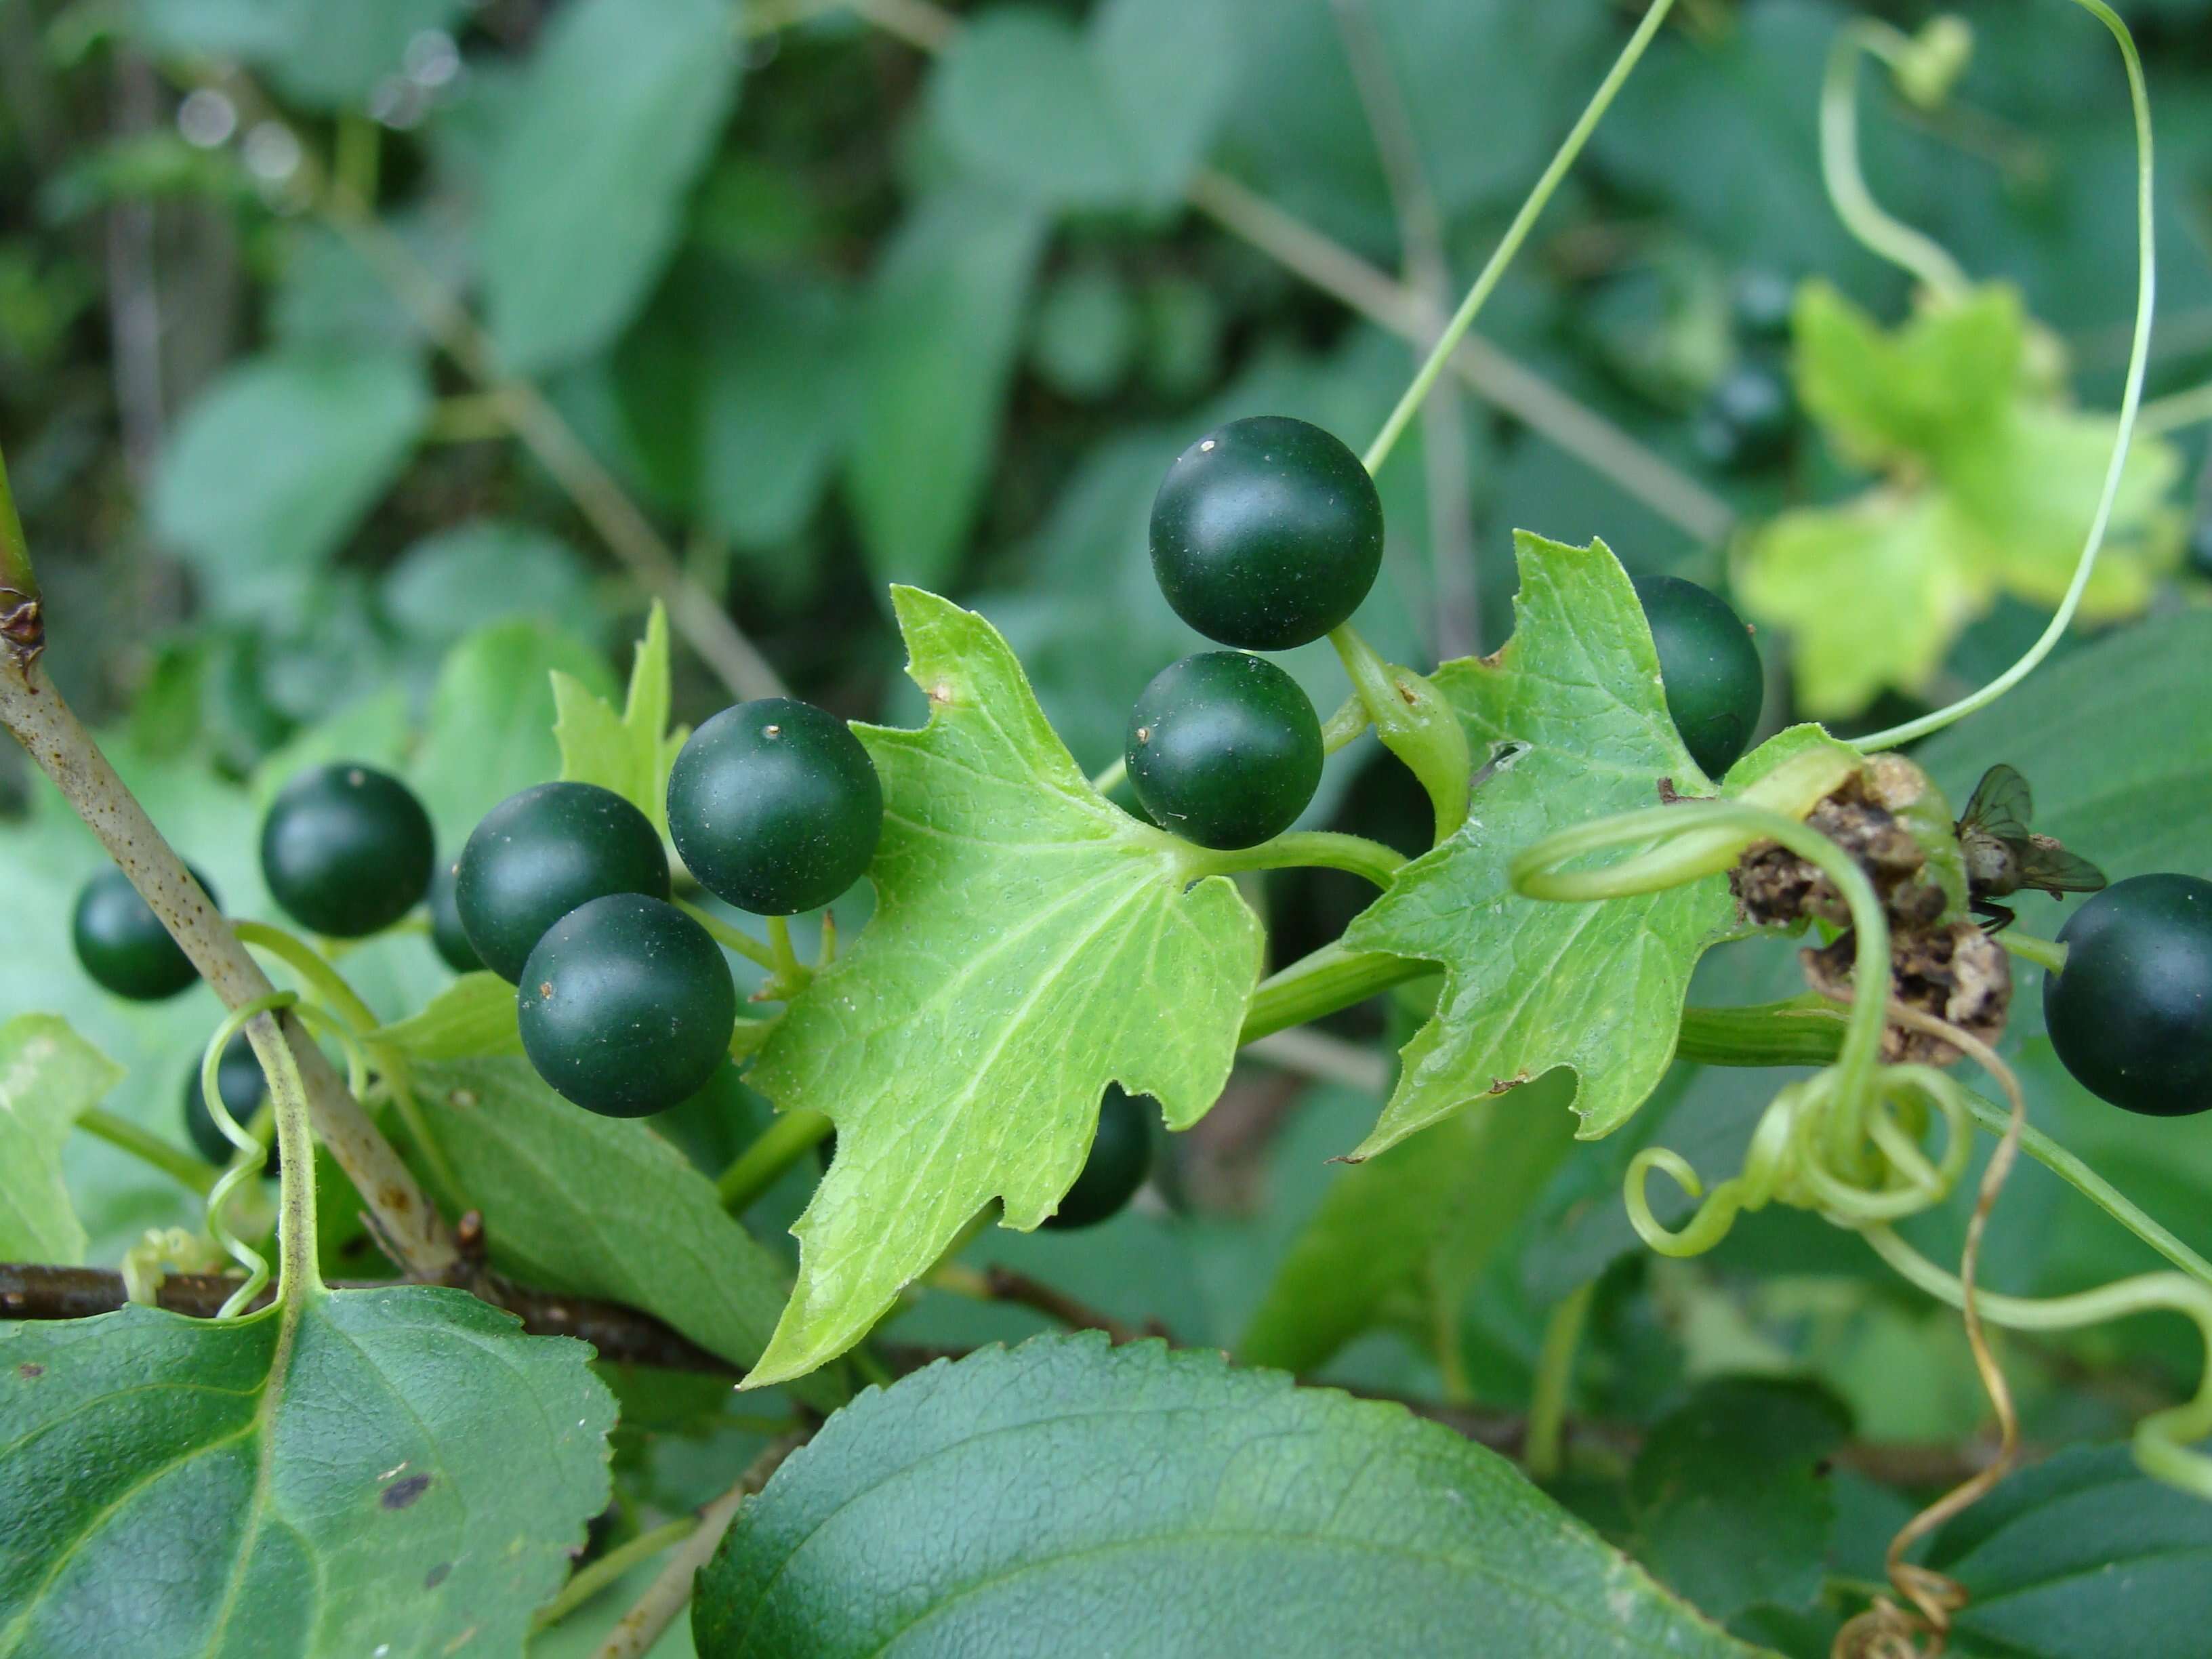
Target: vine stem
782,1144
641,1627
1515,234
2130,405
35,712
2170,414
589,1580
1916,254
194,1174
1325,849
2046,954
734,939
1555,1375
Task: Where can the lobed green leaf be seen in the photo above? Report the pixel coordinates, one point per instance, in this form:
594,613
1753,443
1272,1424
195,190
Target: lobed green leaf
49,1076
1032,944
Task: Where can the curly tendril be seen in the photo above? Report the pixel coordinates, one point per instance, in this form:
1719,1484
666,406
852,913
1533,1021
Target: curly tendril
251,1151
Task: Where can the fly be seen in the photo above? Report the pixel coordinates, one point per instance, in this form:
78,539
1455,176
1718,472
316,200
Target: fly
2003,855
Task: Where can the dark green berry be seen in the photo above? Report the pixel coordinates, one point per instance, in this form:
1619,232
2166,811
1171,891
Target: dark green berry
2200,544
1747,420
2130,1014
238,1080
626,1006
539,855
121,943
1223,750
1715,684
447,936
775,806
347,850
1762,300
1121,1158
1266,534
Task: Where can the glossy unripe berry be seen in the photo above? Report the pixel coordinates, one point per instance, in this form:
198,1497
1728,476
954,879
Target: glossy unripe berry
2130,1014
1747,420
775,806
1715,685
347,850
1121,1158
238,1080
121,943
539,855
1223,750
448,936
626,1006
2200,544
1266,534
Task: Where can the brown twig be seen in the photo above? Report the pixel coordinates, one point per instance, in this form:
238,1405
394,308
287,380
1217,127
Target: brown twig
624,1335
31,708
1006,1284
641,1627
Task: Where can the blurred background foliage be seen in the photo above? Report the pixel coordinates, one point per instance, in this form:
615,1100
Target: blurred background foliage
359,363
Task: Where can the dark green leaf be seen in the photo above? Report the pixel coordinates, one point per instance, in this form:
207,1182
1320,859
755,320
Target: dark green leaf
396,1471
1412,1226
603,1206
584,200
1066,1494
942,323
2081,1557
274,465
1732,1506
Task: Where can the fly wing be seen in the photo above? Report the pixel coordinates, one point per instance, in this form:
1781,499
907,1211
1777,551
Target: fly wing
2045,864
2000,803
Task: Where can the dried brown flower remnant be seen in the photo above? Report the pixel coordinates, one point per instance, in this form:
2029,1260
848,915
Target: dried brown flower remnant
1956,972
1864,817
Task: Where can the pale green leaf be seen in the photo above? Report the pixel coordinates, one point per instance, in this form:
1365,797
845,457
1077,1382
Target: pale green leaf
274,465
1032,944
2031,486
1872,593
1529,984
1167,69
944,318
602,1207
396,1472
1943,378
473,1016
1409,1227
584,201
490,729
326,54
629,753
49,1076
1142,1500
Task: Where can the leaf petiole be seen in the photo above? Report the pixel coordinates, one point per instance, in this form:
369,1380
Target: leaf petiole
729,938
149,1148
1303,848
782,1144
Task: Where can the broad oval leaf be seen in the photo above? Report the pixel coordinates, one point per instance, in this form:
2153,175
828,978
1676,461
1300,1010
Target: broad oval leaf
2082,1556
1402,1227
1032,944
943,319
48,1076
274,465
602,1207
1047,1499
584,203
400,1472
